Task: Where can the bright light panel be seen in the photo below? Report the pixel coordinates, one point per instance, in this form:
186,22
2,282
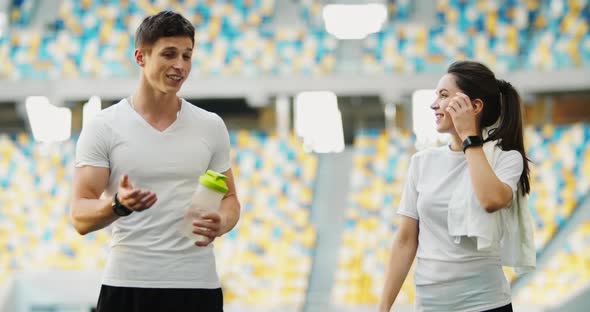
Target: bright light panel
354,21
48,123
319,122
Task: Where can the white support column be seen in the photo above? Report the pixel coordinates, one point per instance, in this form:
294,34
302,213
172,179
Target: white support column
390,110
283,115
4,15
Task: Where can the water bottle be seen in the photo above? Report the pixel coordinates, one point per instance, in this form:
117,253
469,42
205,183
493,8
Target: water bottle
206,198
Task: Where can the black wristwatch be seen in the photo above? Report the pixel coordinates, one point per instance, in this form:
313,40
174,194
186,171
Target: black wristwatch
471,141
119,209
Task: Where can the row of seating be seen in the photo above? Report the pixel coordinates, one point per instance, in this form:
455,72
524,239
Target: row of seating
565,276
94,39
266,260
35,231
559,175
379,172
507,35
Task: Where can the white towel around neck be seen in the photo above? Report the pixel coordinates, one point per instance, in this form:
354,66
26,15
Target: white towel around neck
510,229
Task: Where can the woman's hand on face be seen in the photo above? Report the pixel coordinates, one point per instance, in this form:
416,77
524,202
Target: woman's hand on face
463,115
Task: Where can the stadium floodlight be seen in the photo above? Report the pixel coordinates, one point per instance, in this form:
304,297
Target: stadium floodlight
319,122
48,123
90,109
423,120
354,21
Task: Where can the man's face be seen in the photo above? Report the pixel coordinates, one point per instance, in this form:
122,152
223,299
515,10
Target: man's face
166,63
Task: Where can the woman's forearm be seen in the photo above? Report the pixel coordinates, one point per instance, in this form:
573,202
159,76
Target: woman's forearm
403,252
490,191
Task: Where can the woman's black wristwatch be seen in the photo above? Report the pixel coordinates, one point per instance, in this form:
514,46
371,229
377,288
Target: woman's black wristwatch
119,209
471,141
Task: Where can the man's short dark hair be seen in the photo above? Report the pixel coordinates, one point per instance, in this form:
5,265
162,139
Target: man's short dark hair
163,24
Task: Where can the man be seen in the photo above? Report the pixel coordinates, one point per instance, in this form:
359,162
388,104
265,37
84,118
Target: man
146,154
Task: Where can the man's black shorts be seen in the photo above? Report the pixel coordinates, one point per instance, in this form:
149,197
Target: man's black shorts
130,299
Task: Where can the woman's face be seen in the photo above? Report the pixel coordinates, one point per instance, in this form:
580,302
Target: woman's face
445,90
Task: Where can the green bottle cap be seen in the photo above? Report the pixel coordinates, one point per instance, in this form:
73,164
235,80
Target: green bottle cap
214,180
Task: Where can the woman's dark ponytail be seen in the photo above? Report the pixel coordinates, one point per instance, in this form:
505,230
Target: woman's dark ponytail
501,109
510,130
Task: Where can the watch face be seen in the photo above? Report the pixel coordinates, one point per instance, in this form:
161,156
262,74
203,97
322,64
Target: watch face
121,211
475,140
472,141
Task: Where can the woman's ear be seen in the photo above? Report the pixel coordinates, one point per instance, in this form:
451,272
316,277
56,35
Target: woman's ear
477,106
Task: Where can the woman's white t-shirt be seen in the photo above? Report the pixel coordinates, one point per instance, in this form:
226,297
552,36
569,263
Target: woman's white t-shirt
450,276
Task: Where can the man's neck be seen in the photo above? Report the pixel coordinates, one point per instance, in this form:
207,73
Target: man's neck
153,103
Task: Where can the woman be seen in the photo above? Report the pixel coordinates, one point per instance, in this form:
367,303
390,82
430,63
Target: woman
454,274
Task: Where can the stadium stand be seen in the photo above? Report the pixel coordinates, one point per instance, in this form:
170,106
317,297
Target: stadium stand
380,165
565,275
276,240
94,39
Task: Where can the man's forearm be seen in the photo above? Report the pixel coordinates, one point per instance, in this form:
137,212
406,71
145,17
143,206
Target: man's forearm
230,213
89,215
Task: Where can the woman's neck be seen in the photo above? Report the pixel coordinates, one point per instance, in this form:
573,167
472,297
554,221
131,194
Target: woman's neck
456,144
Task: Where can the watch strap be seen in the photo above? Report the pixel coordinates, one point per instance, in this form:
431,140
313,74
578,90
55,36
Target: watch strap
119,209
471,141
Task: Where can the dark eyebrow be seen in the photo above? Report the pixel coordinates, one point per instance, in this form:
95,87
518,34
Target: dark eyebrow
441,90
175,49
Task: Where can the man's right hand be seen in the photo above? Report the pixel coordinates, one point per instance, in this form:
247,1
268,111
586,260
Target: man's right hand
134,198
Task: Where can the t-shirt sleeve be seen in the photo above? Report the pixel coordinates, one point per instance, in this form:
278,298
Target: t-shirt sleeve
508,168
408,203
220,159
92,148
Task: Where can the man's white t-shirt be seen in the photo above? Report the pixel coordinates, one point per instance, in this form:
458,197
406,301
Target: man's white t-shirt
450,276
147,250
